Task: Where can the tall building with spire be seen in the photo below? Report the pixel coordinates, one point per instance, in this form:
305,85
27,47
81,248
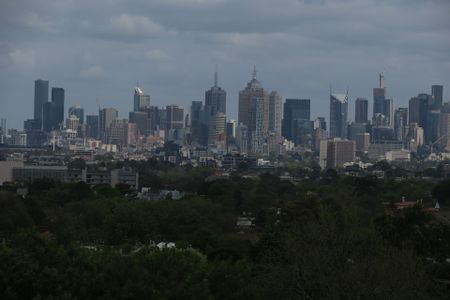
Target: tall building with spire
254,112
379,95
383,108
216,97
215,113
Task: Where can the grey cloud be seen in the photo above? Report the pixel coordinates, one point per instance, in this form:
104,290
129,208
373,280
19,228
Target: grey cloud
102,48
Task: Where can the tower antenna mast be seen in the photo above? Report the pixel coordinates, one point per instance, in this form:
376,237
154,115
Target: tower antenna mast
216,76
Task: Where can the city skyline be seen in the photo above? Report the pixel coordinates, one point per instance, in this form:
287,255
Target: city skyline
296,54
234,115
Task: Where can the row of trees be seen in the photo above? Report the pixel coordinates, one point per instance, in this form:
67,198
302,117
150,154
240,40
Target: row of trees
333,237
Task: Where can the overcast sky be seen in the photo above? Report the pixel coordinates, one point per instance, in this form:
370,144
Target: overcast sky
102,48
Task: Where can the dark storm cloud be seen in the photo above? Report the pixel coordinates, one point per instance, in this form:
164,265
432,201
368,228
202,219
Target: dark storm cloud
100,49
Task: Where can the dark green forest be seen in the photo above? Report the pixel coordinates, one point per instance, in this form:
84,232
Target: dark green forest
327,237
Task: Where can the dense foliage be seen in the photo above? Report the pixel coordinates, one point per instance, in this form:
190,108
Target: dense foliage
331,237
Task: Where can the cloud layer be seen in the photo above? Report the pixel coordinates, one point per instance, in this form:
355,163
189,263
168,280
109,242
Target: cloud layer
100,49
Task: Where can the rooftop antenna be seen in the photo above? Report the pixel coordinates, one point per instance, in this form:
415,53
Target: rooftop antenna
216,76
381,80
254,72
98,104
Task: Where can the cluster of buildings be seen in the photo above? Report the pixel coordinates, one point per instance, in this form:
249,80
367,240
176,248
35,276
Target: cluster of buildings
267,126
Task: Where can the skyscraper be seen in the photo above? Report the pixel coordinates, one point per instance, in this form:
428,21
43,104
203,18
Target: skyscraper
383,108
140,118
106,117
389,111
48,116
58,100
196,110
431,130
174,117
275,113
296,119
254,111
338,115
400,123
379,95
437,94
40,97
361,110
117,132
444,130
216,130
216,98
92,121
418,107
199,124
3,126
141,100
257,119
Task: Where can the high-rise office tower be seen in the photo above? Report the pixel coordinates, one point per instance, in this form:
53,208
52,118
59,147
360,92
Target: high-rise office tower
196,110
418,107
153,119
242,138
444,131
431,130
383,108
400,123
216,130
354,129
40,97
141,100
437,94
254,96
106,117
275,113
53,112
76,111
361,110
257,119
379,95
199,124
117,132
3,126
297,115
338,115
174,117
131,134
48,116
140,118
58,100
231,131
216,98
389,111
92,122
